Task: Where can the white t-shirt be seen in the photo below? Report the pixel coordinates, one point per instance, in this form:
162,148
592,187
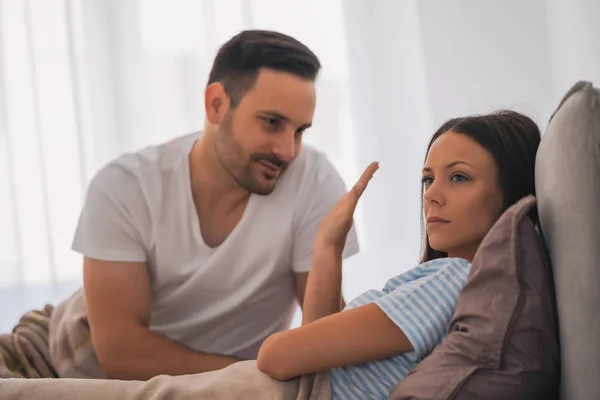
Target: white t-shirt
223,300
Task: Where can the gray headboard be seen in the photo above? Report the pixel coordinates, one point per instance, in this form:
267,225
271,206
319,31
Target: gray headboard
568,191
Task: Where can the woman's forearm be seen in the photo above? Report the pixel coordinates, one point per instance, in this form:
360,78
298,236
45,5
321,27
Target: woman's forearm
324,286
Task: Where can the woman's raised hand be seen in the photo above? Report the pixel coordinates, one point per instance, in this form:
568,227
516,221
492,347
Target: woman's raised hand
337,223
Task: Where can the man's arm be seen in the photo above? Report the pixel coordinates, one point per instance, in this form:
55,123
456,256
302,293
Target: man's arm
118,302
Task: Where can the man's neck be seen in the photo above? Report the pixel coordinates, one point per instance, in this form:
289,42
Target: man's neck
212,185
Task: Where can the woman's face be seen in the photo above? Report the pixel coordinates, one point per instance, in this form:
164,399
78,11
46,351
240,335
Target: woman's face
462,197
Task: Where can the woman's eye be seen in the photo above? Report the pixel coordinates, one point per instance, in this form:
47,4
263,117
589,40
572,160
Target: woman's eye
459,178
427,180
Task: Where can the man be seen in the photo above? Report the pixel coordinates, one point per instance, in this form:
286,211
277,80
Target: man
196,250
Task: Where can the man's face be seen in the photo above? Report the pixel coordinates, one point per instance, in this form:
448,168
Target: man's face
257,141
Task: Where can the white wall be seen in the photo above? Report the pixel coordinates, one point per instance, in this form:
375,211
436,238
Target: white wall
105,76
415,64
574,42
493,56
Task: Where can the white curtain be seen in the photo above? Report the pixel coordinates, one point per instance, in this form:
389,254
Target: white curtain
82,81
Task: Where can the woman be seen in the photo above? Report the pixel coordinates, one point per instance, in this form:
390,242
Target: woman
475,168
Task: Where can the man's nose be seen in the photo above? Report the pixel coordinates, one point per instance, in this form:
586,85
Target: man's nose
285,146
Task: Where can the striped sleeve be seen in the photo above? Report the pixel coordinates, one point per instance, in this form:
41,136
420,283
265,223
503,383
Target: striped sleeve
422,308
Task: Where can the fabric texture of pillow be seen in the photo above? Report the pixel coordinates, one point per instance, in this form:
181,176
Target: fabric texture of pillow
502,341
568,193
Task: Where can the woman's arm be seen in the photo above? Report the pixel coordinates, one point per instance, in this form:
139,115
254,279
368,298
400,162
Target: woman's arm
368,334
323,295
347,338
324,287
411,316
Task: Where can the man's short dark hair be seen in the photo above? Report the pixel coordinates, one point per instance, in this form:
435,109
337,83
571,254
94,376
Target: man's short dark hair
239,61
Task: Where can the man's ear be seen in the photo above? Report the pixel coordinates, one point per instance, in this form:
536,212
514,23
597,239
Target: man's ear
216,103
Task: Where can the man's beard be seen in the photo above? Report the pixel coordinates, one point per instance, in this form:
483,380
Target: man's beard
231,159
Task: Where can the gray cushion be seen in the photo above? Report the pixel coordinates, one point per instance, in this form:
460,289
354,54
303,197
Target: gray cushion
502,341
568,192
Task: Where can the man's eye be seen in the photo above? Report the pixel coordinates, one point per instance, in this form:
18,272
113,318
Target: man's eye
270,121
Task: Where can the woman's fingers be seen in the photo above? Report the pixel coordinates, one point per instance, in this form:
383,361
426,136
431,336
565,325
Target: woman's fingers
362,183
364,179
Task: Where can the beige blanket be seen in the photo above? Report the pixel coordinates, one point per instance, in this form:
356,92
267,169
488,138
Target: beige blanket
51,343
238,381
25,352
56,342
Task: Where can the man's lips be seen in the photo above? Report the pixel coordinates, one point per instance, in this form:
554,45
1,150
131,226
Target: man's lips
271,167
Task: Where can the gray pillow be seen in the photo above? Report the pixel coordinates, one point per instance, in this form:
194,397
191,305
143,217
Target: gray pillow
502,342
568,191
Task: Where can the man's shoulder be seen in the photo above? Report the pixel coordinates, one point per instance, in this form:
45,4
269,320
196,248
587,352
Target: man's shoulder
312,186
152,160
312,165
160,156
313,156
139,173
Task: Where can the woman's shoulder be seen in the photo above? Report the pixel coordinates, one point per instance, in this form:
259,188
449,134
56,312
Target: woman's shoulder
456,269
446,265
445,262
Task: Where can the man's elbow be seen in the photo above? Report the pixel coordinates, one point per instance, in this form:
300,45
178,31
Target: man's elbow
112,360
108,365
272,359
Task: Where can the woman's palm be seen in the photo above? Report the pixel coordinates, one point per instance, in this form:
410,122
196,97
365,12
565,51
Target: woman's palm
337,223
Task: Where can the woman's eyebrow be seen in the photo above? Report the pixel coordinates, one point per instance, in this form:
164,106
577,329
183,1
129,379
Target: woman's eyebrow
452,164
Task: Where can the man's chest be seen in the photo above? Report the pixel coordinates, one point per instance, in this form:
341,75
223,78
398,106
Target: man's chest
215,225
254,248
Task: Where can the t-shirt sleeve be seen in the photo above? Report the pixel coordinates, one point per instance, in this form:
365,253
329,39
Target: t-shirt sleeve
325,190
111,218
422,308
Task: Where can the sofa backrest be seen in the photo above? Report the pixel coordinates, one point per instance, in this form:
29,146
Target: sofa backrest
568,193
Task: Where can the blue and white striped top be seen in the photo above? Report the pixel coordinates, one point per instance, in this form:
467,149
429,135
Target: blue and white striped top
421,302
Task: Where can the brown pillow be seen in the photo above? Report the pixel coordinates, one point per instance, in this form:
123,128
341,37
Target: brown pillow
502,341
